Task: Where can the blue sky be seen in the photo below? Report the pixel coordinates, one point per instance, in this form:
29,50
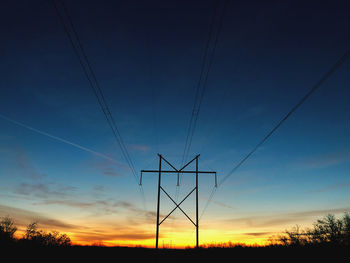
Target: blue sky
147,58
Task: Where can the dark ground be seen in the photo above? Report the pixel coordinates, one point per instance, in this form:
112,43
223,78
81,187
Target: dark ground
119,254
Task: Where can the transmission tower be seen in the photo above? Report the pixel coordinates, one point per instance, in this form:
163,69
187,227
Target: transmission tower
177,205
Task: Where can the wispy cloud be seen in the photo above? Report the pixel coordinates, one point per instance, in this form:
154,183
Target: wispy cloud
89,232
140,147
98,191
24,164
54,194
332,187
223,205
108,169
44,190
326,160
23,217
259,234
43,194
278,220
101,207
111,172
123,234
97,208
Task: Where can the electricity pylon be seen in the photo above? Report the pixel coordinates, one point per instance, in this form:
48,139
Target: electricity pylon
177,205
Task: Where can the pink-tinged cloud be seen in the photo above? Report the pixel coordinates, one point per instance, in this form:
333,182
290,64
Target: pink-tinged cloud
83,232
140,147
326,160
278,220
23,217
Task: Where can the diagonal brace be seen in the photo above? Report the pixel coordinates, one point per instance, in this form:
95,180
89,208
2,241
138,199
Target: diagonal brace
178,206
167,162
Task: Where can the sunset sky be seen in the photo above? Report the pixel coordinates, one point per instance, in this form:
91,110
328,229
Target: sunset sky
61,166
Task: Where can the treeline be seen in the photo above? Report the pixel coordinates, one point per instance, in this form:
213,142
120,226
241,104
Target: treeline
33,237
326,232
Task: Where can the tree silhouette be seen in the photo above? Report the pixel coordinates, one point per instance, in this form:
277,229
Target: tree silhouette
35,237
7,230
32,237
328,231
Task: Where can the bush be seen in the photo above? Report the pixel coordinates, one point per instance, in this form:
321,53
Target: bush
32,237
7,230
35,237
328,231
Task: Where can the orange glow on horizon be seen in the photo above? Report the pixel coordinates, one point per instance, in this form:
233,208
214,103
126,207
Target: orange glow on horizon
179,240
211,240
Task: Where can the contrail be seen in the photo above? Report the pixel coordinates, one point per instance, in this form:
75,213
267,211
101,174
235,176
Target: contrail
59,139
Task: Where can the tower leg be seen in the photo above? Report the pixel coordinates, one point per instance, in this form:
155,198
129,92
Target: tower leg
158,202
197,226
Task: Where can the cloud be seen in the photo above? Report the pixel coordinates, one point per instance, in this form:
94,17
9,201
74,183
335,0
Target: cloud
72,203
258,234
23,163
46,194
326,160
144,216
23,217
97,208
109,169
332,187
223,205
44,191
279,220
122,234
43,194
98,191
111,173
54,194
140,147
88,232
99,188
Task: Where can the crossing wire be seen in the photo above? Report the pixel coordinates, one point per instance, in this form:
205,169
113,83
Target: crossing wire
202,81
338,63
206,51
97,91
203,78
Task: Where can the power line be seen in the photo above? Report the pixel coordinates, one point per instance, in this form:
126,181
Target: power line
203,78
202,82
103,100
339,62
206,50
206,76
97,91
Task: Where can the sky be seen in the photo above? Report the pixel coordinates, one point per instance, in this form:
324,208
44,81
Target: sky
61,166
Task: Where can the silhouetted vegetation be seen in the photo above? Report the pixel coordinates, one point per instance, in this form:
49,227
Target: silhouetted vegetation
7,230
326,232
33,237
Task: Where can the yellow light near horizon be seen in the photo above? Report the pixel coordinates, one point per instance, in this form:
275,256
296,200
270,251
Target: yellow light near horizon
171,236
